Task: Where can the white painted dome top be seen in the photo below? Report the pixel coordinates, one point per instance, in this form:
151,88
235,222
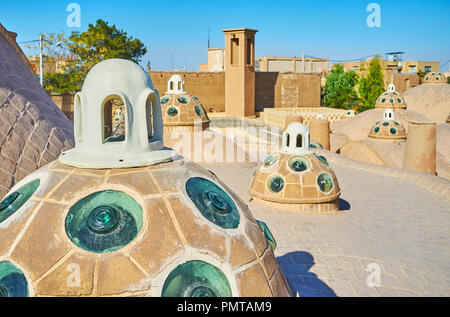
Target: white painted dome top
295,139
175,85
388,114
391,87
96,144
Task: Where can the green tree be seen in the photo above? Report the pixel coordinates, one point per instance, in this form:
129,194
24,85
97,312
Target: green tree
371,86
339,89
102,41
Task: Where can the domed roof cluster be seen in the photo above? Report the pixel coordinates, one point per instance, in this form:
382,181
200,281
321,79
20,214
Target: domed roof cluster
434,78
388,129
180,110
150,225
295,177
391,99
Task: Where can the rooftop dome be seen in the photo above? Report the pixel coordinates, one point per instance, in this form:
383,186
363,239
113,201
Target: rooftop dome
296,178
181,111
431,100
388,129
435,78
34,131
162,229
391,99
111,83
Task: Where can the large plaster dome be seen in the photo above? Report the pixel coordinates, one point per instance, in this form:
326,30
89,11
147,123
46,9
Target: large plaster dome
123,75
431,100
156,228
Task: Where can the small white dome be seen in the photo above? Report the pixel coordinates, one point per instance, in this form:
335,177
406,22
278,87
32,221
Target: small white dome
391,87
175,85
388,114
295,139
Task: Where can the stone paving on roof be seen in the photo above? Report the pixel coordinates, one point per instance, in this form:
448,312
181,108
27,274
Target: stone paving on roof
399,225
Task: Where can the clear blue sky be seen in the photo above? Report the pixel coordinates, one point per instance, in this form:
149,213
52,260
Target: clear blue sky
332,29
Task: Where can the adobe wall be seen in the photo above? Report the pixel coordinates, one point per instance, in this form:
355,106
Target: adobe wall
404,82
208,87
287,90
272,90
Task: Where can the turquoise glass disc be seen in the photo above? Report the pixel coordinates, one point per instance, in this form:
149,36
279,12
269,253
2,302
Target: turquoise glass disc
213,202
11,203
196,279
104,221
12,281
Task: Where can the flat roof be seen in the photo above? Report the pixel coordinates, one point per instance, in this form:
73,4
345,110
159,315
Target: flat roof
239,29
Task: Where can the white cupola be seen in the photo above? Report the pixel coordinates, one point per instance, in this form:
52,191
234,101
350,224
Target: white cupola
295,139
388,114
175,85
140,141
391,87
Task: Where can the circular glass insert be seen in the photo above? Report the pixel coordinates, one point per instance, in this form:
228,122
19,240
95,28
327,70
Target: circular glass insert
393,130
213,202
104,221
399,100
196,279
183,99
437,78
11,203
376,129
172,111
165,99
12,281
325,182
199,111
322,159
391,100
299,163
270,160
383,100
275,183
385,123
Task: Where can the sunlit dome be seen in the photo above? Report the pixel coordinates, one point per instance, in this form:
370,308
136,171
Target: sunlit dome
296,177
434,78
180,110
388,129
391,99
156,225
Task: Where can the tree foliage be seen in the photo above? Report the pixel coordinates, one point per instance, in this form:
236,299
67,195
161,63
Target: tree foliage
99,42
371,85
102,41
339,89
